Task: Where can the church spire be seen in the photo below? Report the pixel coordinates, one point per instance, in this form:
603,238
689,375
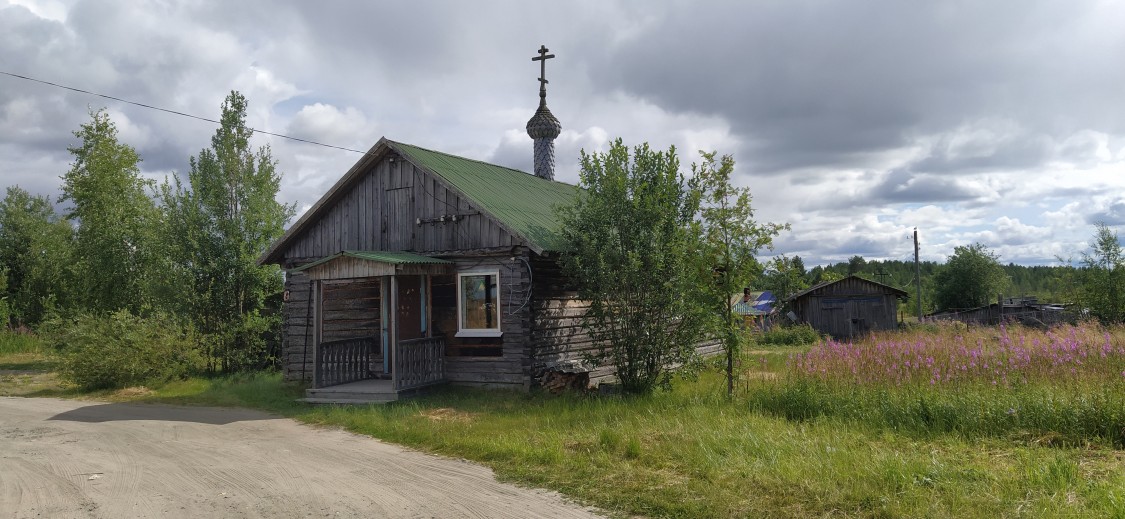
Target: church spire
543,126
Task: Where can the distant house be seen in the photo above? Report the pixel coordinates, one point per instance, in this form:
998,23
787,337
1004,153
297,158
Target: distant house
848,307
756,308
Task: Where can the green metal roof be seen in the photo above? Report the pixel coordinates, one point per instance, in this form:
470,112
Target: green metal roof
394,258
522,202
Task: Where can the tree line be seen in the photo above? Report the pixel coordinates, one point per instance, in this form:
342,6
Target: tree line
176,251
974,276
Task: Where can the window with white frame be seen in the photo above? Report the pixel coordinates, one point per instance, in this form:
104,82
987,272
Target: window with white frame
478,312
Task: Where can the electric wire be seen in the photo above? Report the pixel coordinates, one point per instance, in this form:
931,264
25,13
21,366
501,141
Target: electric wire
176,112
192,116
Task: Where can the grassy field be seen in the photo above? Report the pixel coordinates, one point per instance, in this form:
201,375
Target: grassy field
693,453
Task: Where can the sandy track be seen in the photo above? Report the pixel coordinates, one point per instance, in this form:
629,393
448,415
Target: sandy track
62,458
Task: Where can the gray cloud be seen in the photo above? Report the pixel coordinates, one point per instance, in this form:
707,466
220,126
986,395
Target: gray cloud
822,84
1112,214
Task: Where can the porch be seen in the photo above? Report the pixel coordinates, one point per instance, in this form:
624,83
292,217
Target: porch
371,313
348,371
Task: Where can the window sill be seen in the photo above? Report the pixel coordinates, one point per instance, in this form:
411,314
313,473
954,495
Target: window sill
479,333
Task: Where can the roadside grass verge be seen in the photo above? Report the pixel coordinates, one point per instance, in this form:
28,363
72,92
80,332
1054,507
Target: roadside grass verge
26,366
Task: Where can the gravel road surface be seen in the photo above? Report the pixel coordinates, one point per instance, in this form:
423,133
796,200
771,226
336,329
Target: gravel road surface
65,458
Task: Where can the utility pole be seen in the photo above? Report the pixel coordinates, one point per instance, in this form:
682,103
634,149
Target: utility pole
917,275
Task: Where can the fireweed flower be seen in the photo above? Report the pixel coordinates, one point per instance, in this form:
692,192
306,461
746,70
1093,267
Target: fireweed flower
1015,355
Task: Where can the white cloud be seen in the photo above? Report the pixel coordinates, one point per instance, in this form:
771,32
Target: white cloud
328,124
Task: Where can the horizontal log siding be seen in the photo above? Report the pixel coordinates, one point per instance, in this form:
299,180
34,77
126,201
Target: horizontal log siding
557,333
350,309
380,210
509,366
298,341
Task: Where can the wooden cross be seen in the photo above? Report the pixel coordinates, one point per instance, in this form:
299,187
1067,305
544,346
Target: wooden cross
542,59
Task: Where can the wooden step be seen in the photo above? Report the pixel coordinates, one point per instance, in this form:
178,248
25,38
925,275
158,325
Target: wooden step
354,395
365,400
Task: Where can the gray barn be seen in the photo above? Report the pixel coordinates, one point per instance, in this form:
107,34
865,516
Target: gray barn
849,307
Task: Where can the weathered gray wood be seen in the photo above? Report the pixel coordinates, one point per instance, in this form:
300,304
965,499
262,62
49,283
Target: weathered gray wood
849,307
378,210
419,362
349,309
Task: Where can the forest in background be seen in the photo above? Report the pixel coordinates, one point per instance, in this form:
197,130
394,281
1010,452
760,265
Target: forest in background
786,276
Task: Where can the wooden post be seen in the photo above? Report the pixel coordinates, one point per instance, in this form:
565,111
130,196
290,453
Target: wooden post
917,275
424,305
316,297
384,321
394,329
999,308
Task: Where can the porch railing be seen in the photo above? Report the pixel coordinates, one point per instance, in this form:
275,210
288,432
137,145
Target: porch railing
343,361
419,362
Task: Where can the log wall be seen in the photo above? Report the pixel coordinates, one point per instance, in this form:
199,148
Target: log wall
298,342
557,334
503,361
343,309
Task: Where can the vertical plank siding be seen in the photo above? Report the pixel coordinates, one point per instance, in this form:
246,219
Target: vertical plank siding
381,209
850,307
540,316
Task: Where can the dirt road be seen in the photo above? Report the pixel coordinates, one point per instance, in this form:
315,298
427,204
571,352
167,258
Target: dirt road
61,458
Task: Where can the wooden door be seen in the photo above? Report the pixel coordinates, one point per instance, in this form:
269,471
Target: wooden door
410,309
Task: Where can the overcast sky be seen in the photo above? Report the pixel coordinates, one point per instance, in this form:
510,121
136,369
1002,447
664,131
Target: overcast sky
998,122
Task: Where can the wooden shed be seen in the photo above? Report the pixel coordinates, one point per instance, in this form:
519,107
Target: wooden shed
848,307
419,267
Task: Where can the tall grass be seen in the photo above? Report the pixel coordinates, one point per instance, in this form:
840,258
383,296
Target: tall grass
19,341
1061,385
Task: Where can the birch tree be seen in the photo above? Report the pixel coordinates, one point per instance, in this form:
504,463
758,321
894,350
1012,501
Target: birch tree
223,219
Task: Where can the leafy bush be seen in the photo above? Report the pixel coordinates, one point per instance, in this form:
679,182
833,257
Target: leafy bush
122,350
5,307
789,336
250,344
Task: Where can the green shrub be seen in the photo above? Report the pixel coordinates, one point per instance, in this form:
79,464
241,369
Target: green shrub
249,344
789,335
122,350
5,307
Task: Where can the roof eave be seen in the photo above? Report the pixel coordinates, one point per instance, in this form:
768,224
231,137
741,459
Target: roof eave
898,291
